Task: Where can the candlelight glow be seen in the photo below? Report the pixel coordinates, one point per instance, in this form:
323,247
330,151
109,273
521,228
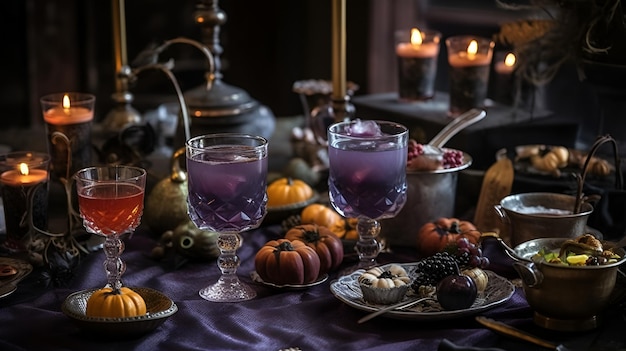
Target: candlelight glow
472,48
23,169
416,37
66,101
509,60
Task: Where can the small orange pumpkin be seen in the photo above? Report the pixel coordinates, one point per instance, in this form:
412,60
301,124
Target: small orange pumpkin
325,216
284,262
108,303
434,236
351,233
326,244
288,191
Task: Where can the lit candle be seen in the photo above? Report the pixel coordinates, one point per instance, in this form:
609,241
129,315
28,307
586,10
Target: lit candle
470,61
470,57
503,80
23,176
418,47
417,63
67,113
507,65
68,118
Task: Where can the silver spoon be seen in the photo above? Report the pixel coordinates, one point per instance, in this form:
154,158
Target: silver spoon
456,125
398,306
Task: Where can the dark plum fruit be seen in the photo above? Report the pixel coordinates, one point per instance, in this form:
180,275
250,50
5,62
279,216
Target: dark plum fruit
456,292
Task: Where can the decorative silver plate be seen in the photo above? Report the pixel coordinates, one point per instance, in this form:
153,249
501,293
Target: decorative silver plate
159,307
256,278
347,289
8,284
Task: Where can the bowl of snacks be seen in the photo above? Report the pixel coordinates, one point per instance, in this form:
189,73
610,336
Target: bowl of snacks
568,282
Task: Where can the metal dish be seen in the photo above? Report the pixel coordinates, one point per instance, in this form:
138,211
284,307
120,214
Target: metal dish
256,278
276,214
9,284
521,162
159,306
498,291
563,297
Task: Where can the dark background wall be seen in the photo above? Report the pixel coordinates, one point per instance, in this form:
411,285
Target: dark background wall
65,45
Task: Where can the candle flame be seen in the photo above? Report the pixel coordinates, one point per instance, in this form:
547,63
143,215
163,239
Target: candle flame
472,48
416,37
23,169
66,102
509,60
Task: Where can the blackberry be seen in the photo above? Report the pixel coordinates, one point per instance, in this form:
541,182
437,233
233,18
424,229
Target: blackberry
290,222
434,268
463,258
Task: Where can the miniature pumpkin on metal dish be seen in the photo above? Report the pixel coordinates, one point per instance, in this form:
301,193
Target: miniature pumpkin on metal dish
159,308
109,303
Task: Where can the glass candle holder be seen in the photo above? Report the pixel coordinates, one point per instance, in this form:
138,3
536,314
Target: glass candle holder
417,52
504,77
469,60
24,182
68,118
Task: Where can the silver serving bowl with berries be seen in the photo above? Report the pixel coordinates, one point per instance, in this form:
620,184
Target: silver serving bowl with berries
431,192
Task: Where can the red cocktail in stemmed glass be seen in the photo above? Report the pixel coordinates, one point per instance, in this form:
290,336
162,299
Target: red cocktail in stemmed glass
110,199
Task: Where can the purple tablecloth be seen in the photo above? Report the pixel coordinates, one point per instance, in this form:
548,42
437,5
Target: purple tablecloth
313,319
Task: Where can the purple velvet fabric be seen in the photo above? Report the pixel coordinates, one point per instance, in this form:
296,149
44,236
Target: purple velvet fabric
313,319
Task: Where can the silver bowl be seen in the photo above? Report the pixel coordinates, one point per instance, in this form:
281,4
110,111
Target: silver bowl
565,298
159,309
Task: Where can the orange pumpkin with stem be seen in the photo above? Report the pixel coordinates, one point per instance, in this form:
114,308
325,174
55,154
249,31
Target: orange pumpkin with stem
285,262
434,236
326,244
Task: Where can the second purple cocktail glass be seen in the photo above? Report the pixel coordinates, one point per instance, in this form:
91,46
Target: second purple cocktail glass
367,177
227,194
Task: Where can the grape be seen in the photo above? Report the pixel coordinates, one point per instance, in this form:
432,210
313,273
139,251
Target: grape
463,243
467,254
484,262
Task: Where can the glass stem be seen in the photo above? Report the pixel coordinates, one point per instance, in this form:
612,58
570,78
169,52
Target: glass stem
114,266
367,247
228,261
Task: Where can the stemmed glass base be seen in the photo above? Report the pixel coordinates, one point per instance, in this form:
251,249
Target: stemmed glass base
228,288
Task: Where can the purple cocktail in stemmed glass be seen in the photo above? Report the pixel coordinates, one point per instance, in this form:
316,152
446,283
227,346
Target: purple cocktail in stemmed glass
227,194
367,177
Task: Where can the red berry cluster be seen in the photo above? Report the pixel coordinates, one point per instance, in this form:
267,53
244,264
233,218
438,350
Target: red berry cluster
415,149
451,158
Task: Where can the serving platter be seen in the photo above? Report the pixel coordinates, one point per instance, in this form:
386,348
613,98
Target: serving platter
521,155
347,289
257,279
8,284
